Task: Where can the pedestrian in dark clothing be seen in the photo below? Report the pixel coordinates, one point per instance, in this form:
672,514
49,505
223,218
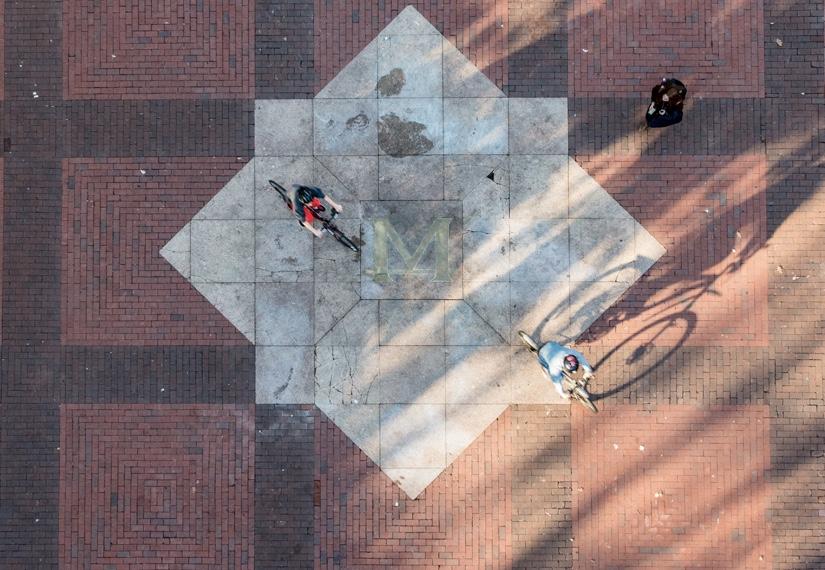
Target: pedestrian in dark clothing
667,100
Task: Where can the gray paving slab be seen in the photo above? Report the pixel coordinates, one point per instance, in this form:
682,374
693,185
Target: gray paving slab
466,423
530,384
478,375
541,309
411,177
235,301
486,254
283,252
414,322
462,78
463,174
357,327
475,126
346,126
602,250
412,374
177,251
357,79
539,187
464,326
333,261
359,174
360,423
220,251
491,300
409,65
588,199
539,250
410,126
346,374
284,375
333,300
413,435
283,127
236,200
538,125
281,315
588,300
286,171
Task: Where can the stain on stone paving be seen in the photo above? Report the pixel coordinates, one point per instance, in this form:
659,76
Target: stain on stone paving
398,137
391,83
359,121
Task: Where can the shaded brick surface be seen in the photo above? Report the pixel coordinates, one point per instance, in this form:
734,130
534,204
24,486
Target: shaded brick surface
173,486
29,471
797,65
537,48
284,49
185,49
116,287
673,487
625,48
285,488
462,519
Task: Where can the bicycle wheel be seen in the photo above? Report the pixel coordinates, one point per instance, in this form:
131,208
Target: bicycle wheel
528,340
339,235
582,397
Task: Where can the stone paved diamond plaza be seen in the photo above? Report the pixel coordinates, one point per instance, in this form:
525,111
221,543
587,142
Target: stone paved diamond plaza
475,223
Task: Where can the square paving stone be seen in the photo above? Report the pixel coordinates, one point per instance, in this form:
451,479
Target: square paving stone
284,375
539,187
418,322
410,126
412,374
357,79
357,327
411,250
539,250
346,374
283,314
346,126
602,250
413,435
333,261
286,171
235,301
538,126
411,177
283,253
478,375
283,127
409,66
541,309
360,422
236,200
486,255
462,78
475,126
466,423
463,174
223,251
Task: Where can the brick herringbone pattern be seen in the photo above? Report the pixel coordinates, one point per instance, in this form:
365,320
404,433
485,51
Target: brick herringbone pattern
673,487
116,287
711,286
625,47
167,49
157,486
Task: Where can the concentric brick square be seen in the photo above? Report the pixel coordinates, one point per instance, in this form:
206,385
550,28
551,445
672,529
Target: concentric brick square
165,49
116,289
711,287
673,487
159,486
625,47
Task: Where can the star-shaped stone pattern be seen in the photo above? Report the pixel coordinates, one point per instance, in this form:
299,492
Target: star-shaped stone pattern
474,223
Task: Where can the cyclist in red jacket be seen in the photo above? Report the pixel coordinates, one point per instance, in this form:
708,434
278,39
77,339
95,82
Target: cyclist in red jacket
307,200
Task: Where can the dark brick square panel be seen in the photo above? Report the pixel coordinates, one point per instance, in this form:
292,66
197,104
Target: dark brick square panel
625,47
798,65
537,48
672,487
463,518
477,28
30,374
169,49
31,50
116,287
172,486
711,285
167,375
285,486
284,49
101,129
29,485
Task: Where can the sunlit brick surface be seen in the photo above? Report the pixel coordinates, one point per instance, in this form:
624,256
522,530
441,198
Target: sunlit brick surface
116,288
711,287
168,49
625,47
157,486
672,487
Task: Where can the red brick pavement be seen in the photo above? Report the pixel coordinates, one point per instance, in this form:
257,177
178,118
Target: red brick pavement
674,487
157,486
116,287
711,286
625,47
187,49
